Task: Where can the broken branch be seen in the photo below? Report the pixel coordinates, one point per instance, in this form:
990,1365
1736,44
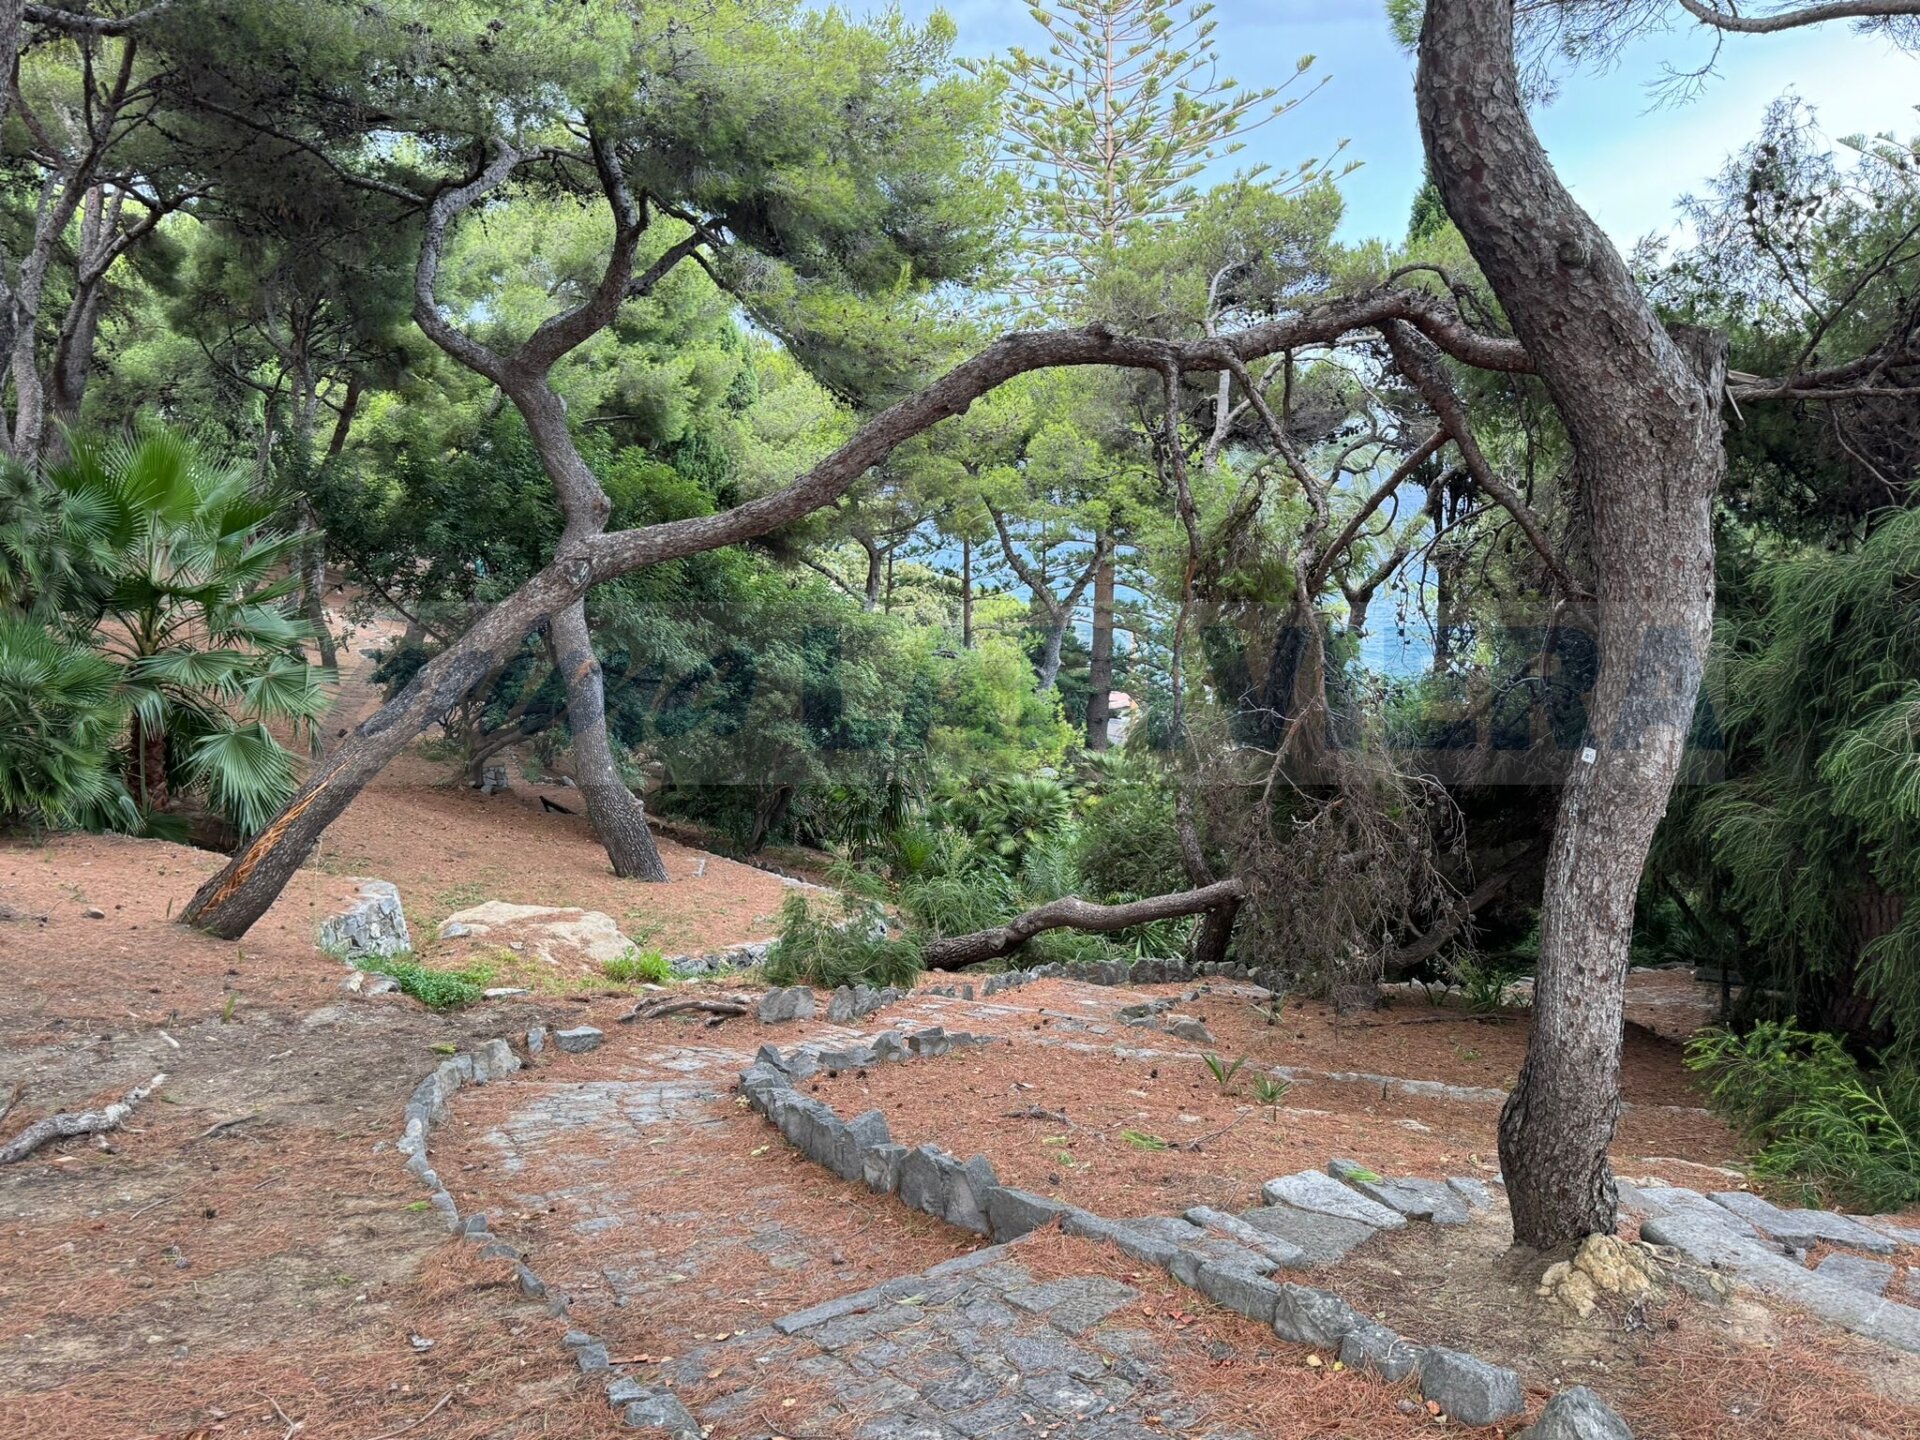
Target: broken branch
84,1122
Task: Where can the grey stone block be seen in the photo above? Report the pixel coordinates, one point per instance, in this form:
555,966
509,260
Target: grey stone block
1870,1276
1142,1245
591,1357
853,1140
923,1181
494,1060
1579,1414
770,1055
1475,1195
1012,1213
836,1309
1312,1317
1076,1304
531,1285
1414,1198
661,1411
536,1039
780,1005
929,1042
968,1184
1253,1296
1185,1027
1803,1228
1669,1200
880,1167
889,1047
1374,1347
579,1040
1324,1195
1281,1252
1321,1239
1470,1390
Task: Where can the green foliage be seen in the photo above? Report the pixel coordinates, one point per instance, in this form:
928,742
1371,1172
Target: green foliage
1144,1140
435,989
1270,1092
1127,845
638,967
1223,1071
1010,815
61,709
1824,1125
856,949
1484,984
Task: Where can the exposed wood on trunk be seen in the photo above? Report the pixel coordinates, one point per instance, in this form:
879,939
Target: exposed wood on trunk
1100,661
1073,913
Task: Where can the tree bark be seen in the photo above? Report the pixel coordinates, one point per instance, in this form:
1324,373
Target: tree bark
228,903
614,811
966,593
1073,913
1642,417
1100,665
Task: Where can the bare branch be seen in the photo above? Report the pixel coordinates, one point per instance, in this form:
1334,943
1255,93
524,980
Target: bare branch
1796,19
55,18
83,1122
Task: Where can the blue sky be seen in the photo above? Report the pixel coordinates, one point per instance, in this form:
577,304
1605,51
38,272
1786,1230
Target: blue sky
1625,159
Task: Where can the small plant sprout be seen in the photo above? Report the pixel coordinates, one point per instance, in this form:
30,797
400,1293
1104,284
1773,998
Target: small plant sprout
1270,1091
1223,1072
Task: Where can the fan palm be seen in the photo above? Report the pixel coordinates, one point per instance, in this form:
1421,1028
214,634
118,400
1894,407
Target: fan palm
60,713
193,604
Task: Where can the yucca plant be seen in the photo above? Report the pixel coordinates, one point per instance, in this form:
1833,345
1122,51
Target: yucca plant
192,603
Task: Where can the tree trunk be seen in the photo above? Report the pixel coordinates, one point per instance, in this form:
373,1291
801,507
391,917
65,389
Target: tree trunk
871,592
149,746
1100,666
966,593
1074,913
1642,417
228,903
1050,653
614,811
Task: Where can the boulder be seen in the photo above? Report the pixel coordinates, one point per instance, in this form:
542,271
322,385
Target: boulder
373,925
778,1006
570,939
579,1040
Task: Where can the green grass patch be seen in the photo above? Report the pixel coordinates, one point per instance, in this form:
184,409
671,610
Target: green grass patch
638,967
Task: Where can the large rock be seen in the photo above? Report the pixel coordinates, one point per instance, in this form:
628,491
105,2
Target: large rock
1313,1317
565,937
373,926
778,1005
1414,1198
1579,1414
1321,1239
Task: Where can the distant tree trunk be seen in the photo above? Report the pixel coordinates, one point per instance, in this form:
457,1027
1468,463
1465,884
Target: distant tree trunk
1050,652
1100,666
871,591
1642,414
614,811
966,593
149,745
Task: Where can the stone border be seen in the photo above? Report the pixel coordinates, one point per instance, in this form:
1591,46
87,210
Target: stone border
1224,1258
641,1406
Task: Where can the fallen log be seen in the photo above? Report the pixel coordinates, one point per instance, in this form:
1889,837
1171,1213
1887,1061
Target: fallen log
83,1122
1072,913
723,1009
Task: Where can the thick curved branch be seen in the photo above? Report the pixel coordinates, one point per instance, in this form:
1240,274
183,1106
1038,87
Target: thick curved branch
447,207
66,21
83,1122
1073,913
1796,19
555,337
621,552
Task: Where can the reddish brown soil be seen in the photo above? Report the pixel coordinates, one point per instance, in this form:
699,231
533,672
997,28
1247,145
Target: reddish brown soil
1005,1100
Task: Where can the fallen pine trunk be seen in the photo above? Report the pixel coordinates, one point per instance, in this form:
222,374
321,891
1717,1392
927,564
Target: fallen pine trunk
1072,913
83,1122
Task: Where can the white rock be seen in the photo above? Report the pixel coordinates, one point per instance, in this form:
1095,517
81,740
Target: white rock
562,936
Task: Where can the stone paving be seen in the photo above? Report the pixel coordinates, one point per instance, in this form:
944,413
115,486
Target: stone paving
980,1346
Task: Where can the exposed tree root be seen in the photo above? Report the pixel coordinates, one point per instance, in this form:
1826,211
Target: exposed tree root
83,1122
720,1009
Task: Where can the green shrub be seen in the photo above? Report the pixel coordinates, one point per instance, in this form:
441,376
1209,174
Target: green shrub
61,709
1127,846
638,967
1484,984
854,950
1825,1126
435,989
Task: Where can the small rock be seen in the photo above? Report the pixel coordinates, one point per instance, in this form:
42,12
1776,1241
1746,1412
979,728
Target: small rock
579,1040
1374,1347
1470,1390
1579,1414
94,913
